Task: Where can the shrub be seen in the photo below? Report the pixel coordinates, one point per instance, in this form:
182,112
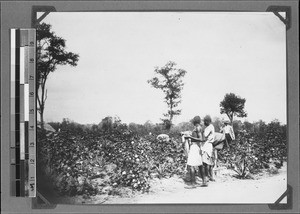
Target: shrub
256,150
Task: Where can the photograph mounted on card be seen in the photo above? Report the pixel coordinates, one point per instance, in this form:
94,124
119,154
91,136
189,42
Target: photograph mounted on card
161,107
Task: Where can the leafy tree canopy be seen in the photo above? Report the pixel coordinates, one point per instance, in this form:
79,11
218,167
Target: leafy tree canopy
169,79
51,52
233,105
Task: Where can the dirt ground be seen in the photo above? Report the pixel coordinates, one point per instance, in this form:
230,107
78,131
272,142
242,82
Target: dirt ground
263,188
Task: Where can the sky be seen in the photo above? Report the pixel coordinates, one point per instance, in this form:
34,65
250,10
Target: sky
223,52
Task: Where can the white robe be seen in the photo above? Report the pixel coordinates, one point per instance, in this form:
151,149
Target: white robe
229,130
209,133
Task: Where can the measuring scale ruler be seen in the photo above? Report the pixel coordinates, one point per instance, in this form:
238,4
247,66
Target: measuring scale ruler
23,112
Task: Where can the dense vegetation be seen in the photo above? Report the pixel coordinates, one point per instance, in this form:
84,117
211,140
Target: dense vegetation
256,147
99,159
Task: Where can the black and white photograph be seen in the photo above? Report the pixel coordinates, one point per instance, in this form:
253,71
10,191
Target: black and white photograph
161,107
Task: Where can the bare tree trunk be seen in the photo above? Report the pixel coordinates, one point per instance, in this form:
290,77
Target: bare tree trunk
171,112
230,116
42,117
42,101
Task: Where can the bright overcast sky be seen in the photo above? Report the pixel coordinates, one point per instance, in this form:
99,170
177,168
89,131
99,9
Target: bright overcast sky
242,53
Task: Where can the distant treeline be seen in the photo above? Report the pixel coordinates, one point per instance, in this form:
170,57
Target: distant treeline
109,123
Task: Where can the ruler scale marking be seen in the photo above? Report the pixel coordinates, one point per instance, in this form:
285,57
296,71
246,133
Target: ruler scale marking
22,65
22,178
26,67
22,141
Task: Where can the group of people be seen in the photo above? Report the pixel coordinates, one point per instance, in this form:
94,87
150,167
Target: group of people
201,147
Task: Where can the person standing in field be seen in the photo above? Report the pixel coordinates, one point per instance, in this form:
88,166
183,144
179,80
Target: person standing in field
229,133
207,147
194,160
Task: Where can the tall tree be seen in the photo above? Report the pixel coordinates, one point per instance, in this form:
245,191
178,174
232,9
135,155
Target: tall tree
50,53
169,79
233,105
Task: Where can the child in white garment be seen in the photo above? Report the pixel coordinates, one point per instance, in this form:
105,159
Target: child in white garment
194,160
207,147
